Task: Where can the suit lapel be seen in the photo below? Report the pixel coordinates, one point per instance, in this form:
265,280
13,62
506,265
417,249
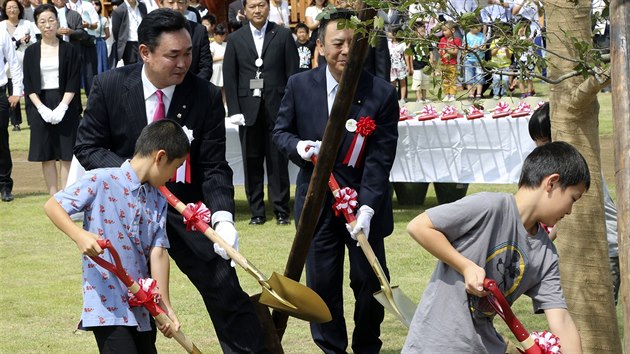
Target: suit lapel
249,39
179,108
269,34
135,104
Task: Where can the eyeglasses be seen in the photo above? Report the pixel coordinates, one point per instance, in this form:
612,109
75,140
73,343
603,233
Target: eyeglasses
51,21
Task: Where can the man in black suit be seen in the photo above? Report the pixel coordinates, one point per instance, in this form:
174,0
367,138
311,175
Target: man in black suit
301,123
201,64
125,21
258,61
236,15
122,102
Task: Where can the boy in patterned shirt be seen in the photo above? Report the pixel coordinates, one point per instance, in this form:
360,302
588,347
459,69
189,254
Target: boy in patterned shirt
124,206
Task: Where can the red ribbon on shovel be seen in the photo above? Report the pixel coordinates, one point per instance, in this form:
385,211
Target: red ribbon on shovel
141,296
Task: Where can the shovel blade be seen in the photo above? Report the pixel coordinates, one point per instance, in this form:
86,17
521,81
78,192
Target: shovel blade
397,303
307,305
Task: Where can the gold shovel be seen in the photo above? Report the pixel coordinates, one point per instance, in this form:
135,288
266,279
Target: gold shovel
278,292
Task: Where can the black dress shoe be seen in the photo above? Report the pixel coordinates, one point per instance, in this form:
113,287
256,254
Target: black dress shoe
283,219
7,196
257,220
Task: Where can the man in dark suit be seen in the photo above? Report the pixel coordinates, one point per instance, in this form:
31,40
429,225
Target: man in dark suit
258,60
236,15
125,21
201,64
301,122
122,102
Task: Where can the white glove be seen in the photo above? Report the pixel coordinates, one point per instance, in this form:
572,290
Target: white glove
364,217
237,119
308,148
45,112
59,112
228,233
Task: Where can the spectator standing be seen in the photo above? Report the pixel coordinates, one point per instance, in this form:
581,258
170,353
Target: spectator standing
501,56
421,58
27,11
101,33
474,73
526,63
310,19
7,53
201,9
236,15
22,33
217,49
125,21
399,71
210,22
89,58
258,61
301,123
448,49
125,100
279,13
306,48
52,86
496,11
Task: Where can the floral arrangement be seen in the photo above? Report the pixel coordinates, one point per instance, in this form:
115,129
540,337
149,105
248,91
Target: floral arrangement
449,112
523,109
501,110
428,112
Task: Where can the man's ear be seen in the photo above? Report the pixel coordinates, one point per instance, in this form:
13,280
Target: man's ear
320,47
144,51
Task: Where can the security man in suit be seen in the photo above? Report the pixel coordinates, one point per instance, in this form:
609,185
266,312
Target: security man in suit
125,21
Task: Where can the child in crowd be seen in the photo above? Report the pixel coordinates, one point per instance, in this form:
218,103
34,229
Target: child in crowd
526,62
217,49
422,58
497,236
124,206
305,47
501,56
474,74
448,48
398,70
540,132
209,21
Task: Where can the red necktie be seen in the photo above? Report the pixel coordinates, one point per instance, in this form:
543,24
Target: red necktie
159,109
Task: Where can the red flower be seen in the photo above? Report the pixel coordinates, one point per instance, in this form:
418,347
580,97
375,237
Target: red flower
366,126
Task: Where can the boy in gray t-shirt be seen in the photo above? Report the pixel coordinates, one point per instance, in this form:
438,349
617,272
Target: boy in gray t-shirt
497,236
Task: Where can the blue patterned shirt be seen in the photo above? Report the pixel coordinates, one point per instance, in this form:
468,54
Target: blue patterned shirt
133,217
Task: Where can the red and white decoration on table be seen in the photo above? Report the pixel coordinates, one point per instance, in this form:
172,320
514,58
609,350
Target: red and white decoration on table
449,112
405,114
523,109
501,110
365,128
200,213
149,286
428,112
474,113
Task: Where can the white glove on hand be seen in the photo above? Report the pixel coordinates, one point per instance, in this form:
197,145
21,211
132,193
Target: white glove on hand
45,112
228,233
237,119
364,217
59,112
308,148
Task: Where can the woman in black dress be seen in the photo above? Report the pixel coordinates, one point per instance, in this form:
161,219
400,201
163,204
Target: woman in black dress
53,104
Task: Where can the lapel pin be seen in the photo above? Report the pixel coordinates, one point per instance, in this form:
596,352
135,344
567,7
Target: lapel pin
184,106
179,115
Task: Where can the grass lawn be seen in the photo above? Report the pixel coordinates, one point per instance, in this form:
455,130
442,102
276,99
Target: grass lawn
40,300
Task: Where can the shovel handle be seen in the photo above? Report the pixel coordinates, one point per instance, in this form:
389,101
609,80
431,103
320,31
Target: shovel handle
179,336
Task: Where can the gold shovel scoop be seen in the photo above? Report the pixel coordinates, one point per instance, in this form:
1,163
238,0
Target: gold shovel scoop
278,292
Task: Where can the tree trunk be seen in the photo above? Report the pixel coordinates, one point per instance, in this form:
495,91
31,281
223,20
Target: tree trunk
581,243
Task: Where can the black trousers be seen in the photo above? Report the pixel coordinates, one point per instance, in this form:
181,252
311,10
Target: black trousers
324,274
6,165
89,62
124,340
233,315
14,113
131,54
259,152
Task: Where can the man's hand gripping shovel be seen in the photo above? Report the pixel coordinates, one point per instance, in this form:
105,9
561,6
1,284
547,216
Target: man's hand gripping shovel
391,297
278,292
141,295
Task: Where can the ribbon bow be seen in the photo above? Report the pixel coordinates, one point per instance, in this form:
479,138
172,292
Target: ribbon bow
428,110
449,112
523,107
502,107
366,126
149,286
548,342
345,201
200,212
404,113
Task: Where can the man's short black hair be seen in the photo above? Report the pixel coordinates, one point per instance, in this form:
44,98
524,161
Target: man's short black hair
301,25
540,123
164,135
556,157
157,22
339,14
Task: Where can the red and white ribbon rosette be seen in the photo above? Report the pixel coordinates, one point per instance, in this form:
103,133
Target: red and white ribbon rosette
182,174
365,128
523,109
405,114
428,112
449,112
200,213
474,113
149,286
548,342
345,201
501,110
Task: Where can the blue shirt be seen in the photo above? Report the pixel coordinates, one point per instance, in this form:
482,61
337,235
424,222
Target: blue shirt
474,40
133,217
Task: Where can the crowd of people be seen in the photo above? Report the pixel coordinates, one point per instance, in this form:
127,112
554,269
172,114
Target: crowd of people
156,111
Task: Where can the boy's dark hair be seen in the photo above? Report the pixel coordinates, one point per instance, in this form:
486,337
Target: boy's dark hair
540,124
556,157
43,8
220,29
340,14
157,22
211,18
301,25
164,135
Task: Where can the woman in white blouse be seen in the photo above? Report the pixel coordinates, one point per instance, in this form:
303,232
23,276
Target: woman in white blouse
23,34
279,12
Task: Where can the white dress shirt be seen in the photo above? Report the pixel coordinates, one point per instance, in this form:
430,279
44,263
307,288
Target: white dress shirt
150,98
331,89
259,37
8,55
135,17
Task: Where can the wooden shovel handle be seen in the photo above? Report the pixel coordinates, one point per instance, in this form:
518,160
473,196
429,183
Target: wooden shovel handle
179,336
